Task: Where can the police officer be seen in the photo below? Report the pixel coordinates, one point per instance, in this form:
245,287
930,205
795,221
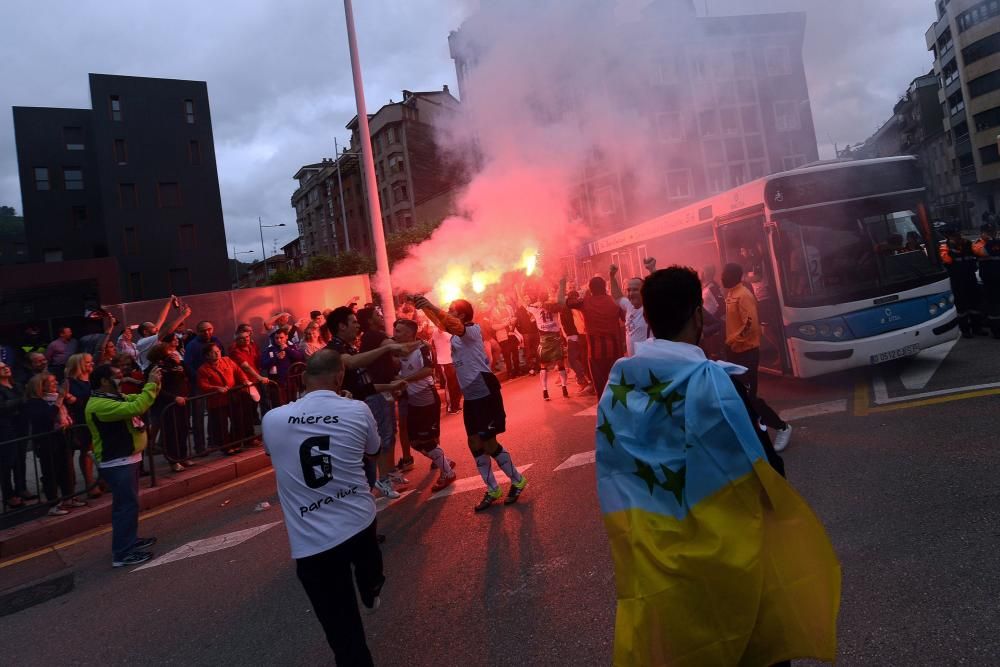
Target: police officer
987,251
960,261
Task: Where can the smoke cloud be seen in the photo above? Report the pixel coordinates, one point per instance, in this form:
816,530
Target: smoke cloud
542,106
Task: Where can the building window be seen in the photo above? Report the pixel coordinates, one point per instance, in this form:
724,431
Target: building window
743,65
116,108
42,178
73,178
120,152
757,170
755,147
669,126
989,155
679,184
396,164
987,119
52,255
984,84
194,153
78,217
400,193
713,151
786,116
186,237
790,162
168,195
982,49
777,61
407,220
390,135
180,281
751,121
737,174
604,200
716,178
135,286
131,241
189,112
128,197
975,15
729,121
734,150
708,122
725,92
74,138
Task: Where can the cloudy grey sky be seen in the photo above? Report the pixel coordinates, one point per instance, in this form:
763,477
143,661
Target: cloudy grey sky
279,76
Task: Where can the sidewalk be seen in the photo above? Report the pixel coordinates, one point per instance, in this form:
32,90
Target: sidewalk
209,472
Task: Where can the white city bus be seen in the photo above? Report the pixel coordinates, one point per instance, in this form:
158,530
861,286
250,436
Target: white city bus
840,255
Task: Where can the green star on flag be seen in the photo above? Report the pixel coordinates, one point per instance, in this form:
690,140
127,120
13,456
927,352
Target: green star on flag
655,390
674,482
672,399
606,429
645,472
619,392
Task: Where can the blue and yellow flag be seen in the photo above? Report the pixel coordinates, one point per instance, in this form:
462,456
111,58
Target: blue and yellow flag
718,561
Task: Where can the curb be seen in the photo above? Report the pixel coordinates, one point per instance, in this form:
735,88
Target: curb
32,583
46,531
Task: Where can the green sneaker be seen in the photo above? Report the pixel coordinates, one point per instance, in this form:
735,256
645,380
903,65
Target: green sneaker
515,491
489,498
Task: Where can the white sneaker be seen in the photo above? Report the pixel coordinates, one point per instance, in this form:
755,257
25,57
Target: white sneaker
782,438
397,478
385,488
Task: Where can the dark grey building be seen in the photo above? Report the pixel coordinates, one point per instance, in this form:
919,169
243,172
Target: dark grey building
134,178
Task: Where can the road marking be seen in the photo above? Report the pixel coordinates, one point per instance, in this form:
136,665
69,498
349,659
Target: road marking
806,411
880,388
588,412
383,502
104,530
965,391
946,398
208,545
470,484
861,399
919,371
581,459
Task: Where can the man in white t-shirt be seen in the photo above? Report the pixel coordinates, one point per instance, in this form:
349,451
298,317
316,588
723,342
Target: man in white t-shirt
317,445
423,405
151,332
441,340
636,330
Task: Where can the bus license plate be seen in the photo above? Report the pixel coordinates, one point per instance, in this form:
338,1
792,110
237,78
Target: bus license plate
907,351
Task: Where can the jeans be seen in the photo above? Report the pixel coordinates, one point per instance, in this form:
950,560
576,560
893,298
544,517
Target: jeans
123,481
328,581
574,354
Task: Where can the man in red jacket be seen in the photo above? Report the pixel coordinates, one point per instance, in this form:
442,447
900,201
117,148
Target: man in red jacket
603,319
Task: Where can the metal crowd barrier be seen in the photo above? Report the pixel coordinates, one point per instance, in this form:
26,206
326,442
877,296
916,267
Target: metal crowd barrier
48,460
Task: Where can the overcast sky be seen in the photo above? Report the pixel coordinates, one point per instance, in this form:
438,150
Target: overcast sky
279,76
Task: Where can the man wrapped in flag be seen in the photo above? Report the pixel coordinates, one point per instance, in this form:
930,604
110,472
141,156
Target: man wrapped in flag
718,561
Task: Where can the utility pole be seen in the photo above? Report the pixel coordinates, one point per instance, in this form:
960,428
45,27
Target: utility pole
343,206
383,282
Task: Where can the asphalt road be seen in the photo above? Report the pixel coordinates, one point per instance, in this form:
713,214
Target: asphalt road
907,491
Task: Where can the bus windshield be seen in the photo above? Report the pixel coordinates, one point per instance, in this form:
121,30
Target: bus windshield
847,252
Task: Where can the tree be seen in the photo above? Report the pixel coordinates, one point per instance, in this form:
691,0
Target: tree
398,244
7,212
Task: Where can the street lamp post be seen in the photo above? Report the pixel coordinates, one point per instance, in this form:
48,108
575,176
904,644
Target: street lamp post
262,250
383,284
236,260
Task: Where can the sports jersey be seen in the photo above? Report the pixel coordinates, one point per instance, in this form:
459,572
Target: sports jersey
636,329
317,445
442,345
469,357
419,392
356,380
546,319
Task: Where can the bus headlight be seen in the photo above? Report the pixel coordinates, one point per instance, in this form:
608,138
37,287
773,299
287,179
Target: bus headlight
838,332
808,330
943,304
951,298
933,310
824,330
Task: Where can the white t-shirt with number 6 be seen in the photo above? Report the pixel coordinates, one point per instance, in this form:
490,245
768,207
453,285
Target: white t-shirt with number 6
317,446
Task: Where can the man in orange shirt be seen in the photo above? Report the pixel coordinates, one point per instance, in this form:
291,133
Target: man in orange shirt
743,347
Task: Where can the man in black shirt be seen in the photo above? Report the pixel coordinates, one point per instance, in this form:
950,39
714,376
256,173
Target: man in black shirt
344,327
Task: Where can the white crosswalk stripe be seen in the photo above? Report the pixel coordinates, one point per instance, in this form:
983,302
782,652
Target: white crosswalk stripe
208,545
472,483
383,502
588,412
581,459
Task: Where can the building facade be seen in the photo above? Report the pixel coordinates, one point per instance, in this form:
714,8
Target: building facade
133,178
965,41
724,100
415,184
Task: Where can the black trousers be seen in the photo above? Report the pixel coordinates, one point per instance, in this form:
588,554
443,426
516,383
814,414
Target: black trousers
511,358
750,359
329,583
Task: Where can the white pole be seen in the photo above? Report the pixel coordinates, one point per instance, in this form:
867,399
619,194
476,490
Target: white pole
382,283
343,206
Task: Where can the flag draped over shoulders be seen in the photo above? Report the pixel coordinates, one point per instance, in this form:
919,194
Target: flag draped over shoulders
718,561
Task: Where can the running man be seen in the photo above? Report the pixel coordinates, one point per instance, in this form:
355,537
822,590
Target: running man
484,415
423,411
317,445
550,347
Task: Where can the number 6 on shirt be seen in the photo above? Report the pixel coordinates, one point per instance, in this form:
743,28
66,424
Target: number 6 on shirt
310,462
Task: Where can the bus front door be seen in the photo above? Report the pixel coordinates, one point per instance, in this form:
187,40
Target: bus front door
743,242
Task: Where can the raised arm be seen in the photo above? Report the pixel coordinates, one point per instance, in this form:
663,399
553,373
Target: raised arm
616,287
176,322
163,313
363,359
650,264
443,320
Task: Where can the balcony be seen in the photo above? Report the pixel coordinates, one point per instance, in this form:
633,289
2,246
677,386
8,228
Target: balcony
963,146
953,86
